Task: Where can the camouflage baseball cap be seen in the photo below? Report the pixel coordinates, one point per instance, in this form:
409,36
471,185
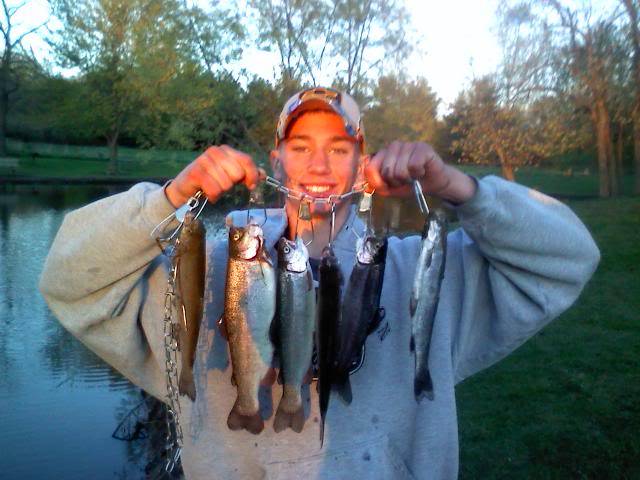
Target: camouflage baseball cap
319,98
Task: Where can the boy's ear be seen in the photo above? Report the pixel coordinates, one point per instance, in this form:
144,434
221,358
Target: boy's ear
276,165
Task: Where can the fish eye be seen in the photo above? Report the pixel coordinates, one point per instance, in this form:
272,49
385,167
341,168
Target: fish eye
286,249
236,236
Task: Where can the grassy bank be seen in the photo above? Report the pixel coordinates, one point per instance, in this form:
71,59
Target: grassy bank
157,164
565,405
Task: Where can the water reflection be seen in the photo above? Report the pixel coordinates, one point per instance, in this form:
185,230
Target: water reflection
55,394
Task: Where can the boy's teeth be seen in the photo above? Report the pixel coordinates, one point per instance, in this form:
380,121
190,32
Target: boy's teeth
317,188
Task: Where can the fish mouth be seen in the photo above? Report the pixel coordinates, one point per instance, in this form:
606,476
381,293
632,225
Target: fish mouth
251,251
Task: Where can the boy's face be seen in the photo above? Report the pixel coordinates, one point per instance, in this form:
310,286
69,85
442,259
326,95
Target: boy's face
318,157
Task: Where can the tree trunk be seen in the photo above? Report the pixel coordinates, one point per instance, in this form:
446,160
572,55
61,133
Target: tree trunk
4,107
632,10
600,118
507,171
636,153
112,143
619,153
505,165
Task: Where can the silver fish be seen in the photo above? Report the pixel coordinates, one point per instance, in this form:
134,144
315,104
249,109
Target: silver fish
294,327
424,299
249,307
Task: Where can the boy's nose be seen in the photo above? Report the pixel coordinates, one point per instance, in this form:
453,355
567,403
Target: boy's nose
319,163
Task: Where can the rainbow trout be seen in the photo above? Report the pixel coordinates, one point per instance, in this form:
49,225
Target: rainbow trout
328,317
249,306
190,261
361,312
424,299
294,327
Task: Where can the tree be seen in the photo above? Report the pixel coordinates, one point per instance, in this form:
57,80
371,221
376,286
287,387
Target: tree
292,28
13,55
139,60
579,58
358,40
632,7
370,38
402,110
487,131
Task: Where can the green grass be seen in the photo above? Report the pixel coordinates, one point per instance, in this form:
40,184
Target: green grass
567,404
552,181
55,167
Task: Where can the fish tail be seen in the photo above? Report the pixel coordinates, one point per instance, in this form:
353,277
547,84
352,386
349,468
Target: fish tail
186,385
413,305
290,413
422,384
342,385
253,423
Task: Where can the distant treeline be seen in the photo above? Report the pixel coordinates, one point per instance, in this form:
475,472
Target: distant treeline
157,73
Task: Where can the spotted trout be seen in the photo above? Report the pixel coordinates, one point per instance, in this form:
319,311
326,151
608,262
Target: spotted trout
424,299
294,326
249,307
361,312
190,261
328,317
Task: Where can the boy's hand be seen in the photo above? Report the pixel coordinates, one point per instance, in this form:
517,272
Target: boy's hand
214,172
392,169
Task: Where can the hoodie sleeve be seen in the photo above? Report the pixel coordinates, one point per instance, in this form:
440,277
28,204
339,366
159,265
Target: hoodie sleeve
523,258
100,270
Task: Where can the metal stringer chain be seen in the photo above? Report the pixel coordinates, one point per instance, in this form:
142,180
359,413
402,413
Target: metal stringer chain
174,438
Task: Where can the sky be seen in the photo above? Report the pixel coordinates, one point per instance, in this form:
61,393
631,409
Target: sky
456,43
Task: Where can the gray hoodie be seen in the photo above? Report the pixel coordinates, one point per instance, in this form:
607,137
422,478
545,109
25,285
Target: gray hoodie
519,260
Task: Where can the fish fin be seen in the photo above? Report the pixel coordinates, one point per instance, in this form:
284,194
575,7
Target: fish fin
412,344
343,387
377,319
251,423
269,377
321,430
274,331
284,420
308,377
310,281
222,327
186,385
422,385
413,305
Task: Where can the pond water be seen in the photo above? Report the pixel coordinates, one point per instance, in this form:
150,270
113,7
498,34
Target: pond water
59,403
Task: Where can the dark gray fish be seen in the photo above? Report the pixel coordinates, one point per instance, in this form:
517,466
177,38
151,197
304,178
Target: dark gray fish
361,312
190,261
294,326
328,315
424,299
249,307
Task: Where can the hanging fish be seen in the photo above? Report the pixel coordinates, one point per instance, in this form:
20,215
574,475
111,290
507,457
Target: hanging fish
361,313
424,299
328,317
249,307
293,330
190,261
